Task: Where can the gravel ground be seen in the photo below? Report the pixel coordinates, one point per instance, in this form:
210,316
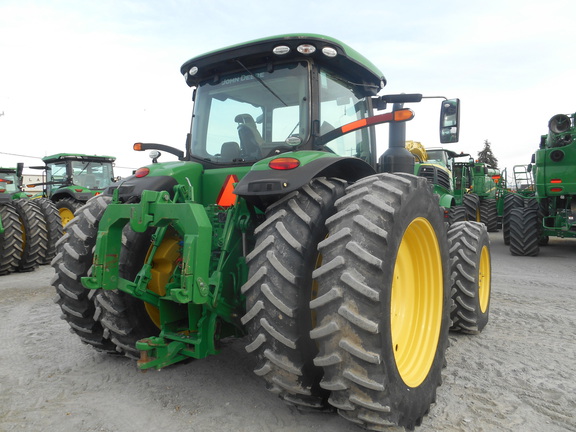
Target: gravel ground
518,375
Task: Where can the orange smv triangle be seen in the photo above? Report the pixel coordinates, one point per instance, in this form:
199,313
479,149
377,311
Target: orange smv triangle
226,197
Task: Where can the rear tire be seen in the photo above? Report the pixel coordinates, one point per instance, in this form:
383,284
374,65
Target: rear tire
279,289
510,201
383,308
472,204
10,239
470,263
524,232
35,238
456,214
75,251
53,226
489,214
123,316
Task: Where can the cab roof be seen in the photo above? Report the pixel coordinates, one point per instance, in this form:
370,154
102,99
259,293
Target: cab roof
347,62
77,156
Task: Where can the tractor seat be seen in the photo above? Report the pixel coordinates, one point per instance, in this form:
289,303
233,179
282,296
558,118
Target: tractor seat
250,138
230,151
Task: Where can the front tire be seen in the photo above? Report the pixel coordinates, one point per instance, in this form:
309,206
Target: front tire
470,263
383,308
67,207
279,289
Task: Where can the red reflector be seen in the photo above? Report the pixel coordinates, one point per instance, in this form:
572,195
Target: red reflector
284,163
556,181
226,197
78,190
556,189
142,172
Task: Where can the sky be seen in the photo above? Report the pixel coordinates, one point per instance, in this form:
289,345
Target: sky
96,76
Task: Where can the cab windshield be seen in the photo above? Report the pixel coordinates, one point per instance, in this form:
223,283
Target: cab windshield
339,105
8,182
246,116
92,175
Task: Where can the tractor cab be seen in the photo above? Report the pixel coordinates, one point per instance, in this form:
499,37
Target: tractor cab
294,93
82,171
280,95
11,183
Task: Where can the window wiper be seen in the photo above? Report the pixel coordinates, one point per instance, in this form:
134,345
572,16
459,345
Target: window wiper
261,82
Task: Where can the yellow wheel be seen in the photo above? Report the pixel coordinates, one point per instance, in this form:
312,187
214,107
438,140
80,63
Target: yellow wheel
484,279
67,207
417,302
165,260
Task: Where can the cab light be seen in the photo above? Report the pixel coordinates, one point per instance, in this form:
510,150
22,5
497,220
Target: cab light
284,163
329,52
193,71
281,50
137,146
141,172
306,49
556,181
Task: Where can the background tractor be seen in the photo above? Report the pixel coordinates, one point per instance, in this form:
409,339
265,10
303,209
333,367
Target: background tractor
467,190
279,224
72,179
476,188
32,226
550,207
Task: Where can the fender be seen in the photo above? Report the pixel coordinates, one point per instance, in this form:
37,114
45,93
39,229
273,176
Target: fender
69,192
447,200
265,185
156,177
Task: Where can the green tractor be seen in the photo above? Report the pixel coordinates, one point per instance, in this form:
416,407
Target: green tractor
476,188
549,208
279,224
434,165
72,179
467,190
32,226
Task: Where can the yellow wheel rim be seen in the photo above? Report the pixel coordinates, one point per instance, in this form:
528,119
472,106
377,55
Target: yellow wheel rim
164,263
417,302
66,215
484,279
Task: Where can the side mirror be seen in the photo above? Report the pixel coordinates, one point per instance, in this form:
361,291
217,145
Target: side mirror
450,121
